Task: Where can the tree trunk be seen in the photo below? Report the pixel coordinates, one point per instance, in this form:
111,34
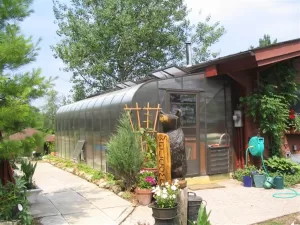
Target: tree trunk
6,172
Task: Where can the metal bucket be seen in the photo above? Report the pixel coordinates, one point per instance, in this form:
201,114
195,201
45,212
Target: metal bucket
194,203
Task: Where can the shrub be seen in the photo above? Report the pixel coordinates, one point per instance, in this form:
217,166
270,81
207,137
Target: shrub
247,171
28,169
282,165
13,202
124,153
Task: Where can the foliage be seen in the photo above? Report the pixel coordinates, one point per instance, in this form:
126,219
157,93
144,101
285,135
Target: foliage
124,153
107,42
28,169
51,146
282,165
146,179
247,171
166,195
12,195
294,120
203,216
150,159
265,41
53,102
291,179
96,174
17,90
270,104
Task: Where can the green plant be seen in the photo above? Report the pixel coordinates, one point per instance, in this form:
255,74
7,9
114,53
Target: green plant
282,165
247,171
291,179
97,176
28,169
166,195
146,180
203,217
124,153
270,103
150,141
297,123
127,195
13,202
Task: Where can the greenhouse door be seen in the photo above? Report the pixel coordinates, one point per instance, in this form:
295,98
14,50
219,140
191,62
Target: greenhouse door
187,103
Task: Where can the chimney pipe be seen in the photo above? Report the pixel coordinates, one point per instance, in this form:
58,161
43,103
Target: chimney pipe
188,54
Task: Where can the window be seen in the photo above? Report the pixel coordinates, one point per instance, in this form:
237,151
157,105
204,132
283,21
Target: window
187,104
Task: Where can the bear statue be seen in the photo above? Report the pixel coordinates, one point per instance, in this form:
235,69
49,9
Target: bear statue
171,125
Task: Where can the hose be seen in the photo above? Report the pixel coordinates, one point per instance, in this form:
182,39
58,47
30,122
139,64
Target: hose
291,194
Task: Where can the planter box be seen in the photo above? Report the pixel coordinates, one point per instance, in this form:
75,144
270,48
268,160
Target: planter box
32,195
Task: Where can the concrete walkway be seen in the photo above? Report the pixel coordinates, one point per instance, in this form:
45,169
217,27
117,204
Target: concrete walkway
68,199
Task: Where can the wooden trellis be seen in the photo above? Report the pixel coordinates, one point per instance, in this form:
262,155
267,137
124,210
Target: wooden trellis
145,123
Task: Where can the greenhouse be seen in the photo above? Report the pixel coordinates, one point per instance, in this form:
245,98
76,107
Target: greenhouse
84,127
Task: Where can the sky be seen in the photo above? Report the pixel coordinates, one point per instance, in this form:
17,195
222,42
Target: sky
244,20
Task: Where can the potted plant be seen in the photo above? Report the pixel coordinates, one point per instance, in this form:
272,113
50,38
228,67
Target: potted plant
146,180
28,170
165,207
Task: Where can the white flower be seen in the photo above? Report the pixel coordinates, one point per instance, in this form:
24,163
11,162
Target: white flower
173,187
158,193
155,189
164,191
174,196
164,196
20,207
167,184
176,181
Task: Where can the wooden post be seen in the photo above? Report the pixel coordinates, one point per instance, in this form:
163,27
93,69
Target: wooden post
183,206
163,158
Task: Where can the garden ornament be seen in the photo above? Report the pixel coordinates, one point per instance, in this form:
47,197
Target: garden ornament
171,125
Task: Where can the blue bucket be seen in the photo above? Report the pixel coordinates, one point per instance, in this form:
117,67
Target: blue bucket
247,181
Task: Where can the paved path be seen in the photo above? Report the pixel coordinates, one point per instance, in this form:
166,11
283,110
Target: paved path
234,205
68,199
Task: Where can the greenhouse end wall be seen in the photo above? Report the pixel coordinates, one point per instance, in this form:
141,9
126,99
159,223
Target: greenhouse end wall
205,102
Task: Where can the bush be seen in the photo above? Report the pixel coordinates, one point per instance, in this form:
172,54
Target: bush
282,165
13,202
239,173
124,153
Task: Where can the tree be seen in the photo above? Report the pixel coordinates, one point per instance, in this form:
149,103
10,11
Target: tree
110,41
265,41
53,102
16,90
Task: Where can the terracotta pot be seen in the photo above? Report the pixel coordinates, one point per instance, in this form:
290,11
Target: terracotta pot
154,170
53,153
144,196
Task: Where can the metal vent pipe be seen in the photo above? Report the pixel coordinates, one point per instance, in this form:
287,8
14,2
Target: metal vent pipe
188,53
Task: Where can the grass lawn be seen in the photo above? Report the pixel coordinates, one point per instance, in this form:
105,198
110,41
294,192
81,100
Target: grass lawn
284,220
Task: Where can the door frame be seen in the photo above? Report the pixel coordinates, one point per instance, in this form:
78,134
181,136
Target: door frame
197,135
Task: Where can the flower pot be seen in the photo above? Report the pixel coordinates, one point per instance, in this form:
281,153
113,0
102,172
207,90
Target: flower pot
144,196
259,180
32,195
53,153
154,170
164,213
247,181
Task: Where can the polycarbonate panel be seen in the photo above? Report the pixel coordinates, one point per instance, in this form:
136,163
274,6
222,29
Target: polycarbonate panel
97,132
105,128
89,135
194,82
71,131
115,111
173,83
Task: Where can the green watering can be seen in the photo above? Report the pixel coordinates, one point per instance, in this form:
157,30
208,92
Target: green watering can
269,183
